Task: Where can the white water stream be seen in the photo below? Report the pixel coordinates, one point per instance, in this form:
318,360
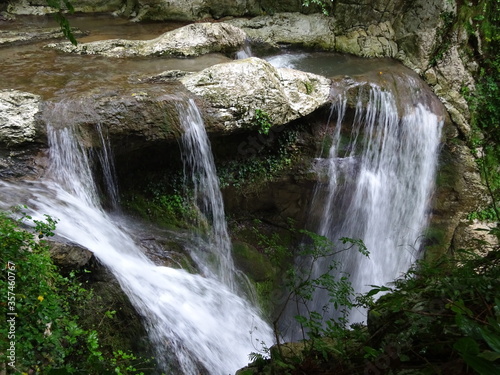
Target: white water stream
381,178
199,169
193,321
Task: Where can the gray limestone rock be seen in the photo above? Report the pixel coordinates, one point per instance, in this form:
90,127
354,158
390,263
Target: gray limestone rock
239,88
18,111
191,40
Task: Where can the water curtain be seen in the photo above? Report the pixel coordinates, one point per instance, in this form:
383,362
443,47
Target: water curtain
380,178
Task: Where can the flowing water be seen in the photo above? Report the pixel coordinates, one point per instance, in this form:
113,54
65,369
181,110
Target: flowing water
199,167
194,322
381,171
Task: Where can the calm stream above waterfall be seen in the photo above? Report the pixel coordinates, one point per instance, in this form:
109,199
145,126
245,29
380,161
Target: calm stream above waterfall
379,181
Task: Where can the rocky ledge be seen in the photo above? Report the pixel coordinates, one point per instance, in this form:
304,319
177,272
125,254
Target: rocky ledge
191,40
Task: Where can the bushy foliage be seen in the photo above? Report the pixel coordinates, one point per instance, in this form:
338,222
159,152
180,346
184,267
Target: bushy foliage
261,158
439,318
323,4
164,200
444,319
324,330
43,334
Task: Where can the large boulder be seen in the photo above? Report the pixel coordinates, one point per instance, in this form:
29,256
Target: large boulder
132,119
238,89
191,40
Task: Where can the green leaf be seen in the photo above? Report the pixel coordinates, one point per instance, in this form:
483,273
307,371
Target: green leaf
467,345
300,319
481,365
492,339
489,355
371,352
377,289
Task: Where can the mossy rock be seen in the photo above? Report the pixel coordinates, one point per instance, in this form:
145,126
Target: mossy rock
252,262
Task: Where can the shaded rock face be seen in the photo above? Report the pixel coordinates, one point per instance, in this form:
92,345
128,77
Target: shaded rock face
69,256
448,78
191,40
287,198
195,9
237,89
374,39
39,7
417,28
184,10
315,30
353,14
459,191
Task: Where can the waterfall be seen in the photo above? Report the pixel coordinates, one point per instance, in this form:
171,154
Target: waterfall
106,161
381,171
195,323
245,52
199,168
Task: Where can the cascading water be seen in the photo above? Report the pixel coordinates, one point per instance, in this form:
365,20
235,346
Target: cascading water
193,321
245,52
108,169
380,180
199,167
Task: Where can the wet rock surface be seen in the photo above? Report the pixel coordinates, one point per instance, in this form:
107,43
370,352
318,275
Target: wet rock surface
8,37
69,256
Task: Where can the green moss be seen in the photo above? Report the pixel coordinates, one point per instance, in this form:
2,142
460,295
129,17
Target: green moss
252,262
434,243
163,200
262,158
159,213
